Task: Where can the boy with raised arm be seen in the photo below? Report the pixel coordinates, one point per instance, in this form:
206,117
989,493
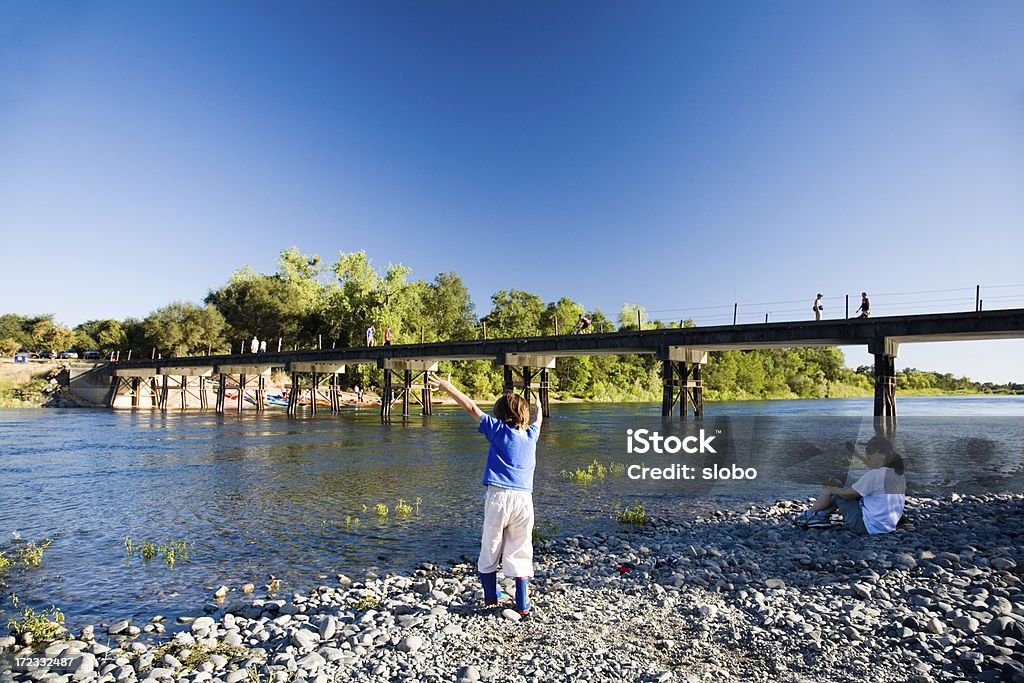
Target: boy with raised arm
507,537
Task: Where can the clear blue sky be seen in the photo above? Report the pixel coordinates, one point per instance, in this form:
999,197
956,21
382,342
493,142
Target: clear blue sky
673,154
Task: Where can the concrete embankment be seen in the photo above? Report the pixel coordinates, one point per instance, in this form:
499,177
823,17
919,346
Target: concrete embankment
738,597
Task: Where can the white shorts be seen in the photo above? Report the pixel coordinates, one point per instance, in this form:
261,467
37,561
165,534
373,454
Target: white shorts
508,533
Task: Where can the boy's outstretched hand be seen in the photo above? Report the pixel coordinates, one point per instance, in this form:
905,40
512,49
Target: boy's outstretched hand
464,401
436,382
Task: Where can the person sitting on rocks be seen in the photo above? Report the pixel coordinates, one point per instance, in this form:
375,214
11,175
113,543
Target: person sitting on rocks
507,537
875,502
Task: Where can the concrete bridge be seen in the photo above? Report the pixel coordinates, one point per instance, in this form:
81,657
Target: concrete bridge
527,361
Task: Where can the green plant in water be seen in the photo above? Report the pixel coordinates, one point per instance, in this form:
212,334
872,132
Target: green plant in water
403,509
149,550
544,530
594,470
43,627
32,555
351,522
5,562
581,476
173,551
418,501
616,468
381,509
635,516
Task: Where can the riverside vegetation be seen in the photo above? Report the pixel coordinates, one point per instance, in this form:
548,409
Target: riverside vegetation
309,302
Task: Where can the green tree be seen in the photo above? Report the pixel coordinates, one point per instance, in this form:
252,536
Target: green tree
19,328
447,312
599,322
560,316
266,306
514,313
628,316
48,335
182,329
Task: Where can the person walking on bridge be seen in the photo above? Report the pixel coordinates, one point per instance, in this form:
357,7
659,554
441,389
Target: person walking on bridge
254,345
369,335
818,308
865,306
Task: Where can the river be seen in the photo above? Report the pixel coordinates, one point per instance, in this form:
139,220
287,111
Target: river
259,495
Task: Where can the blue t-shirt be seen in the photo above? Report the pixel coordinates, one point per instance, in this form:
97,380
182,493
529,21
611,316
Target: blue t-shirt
512,456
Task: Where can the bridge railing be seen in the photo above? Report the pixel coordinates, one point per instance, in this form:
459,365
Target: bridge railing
839,307
836,307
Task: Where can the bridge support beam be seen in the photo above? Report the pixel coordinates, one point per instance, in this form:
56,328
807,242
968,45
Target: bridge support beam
884,350
243,375
142,385
177,382
322,389
412,375
524,373
681,381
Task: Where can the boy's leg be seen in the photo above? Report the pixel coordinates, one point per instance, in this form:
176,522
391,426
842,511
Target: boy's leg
491,545
517,559
489,580
522,594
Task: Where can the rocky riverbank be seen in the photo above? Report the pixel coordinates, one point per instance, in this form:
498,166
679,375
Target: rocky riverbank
741,596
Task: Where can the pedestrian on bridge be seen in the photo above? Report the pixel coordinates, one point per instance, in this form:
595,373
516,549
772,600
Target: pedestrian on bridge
818,308
865,306
507,538
369,335
254,345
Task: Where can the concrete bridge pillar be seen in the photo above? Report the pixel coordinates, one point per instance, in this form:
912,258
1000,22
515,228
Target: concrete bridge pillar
523,373
681,381
412,375
884,350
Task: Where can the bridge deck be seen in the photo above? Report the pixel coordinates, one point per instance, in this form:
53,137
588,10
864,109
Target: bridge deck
886,332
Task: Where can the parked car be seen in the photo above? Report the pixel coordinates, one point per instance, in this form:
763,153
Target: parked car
25,356
48,354
92,354
70,353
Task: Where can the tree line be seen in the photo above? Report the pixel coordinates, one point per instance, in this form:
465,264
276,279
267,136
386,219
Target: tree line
309,303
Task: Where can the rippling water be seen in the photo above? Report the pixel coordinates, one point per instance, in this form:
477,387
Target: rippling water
256,495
